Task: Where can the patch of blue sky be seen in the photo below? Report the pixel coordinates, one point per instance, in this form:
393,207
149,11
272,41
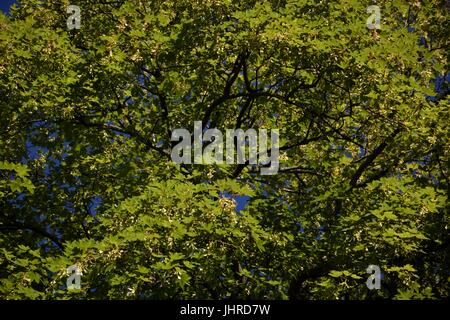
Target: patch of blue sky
34,152
5,5
94,204
90,150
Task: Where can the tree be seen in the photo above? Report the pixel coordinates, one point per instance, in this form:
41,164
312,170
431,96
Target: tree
87,178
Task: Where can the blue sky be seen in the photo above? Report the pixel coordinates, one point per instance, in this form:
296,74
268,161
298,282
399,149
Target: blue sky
5,4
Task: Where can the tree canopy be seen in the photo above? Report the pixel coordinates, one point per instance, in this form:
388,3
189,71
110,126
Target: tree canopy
86,177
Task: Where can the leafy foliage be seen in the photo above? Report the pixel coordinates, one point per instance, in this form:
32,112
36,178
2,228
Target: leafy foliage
86,177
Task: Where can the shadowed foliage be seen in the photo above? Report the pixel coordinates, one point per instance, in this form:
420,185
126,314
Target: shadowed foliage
86,176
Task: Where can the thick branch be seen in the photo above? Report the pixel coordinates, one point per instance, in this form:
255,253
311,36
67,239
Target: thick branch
23,226
371,158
